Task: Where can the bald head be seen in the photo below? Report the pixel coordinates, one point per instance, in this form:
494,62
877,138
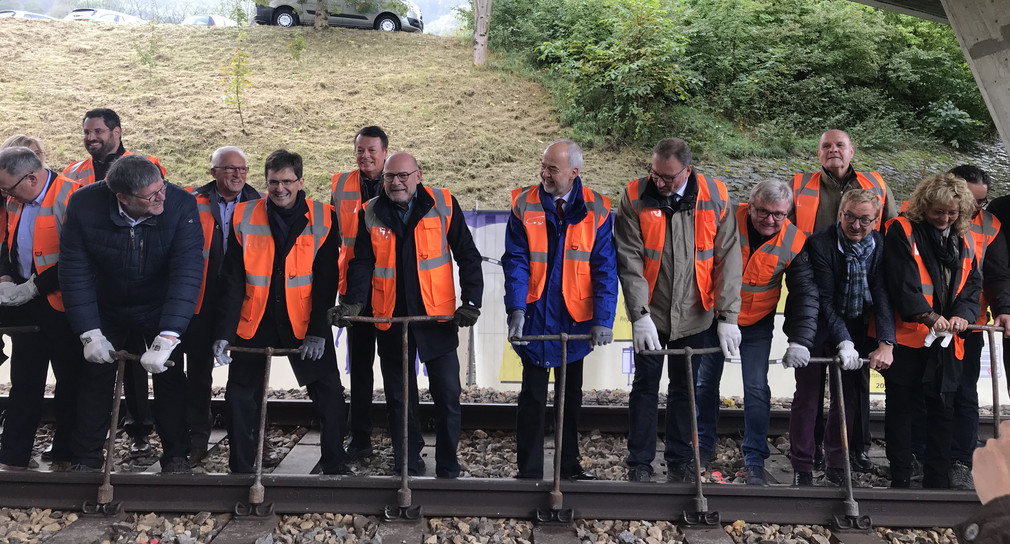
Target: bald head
835,152
400,177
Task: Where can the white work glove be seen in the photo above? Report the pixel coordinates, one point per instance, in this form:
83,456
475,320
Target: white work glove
96,348
516,321
221,357
601,335
153,360
12,294
644,335
729,339
797,356
945,338
849,356
312,348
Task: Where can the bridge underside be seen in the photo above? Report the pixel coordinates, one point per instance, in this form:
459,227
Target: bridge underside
925,9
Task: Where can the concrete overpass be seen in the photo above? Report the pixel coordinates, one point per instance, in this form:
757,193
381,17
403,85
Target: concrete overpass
982,28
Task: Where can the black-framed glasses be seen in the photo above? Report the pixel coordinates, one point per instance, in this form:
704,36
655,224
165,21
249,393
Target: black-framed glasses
234,169
666,179
8,190
152,196
762,213
864,221
284,182
402,176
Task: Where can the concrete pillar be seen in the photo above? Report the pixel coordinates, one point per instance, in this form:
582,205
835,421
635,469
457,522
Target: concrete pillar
982,28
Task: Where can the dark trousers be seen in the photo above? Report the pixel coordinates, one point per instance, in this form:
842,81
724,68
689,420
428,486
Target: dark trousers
904,389
643,403
965,436
138,421
30,358
530,419
361,356
197,344
94,403
244,395
445,389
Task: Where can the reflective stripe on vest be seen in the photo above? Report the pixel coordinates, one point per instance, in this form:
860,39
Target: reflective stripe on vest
48,227
807,194
203,205
984,228
710,206
346,198
252,230
914,334
83,172
576,277
434,263
762,272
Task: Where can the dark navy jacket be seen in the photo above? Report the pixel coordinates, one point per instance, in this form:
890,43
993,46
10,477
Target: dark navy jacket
116,276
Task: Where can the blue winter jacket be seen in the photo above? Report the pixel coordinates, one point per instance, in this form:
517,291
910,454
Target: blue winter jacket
121,277
549,315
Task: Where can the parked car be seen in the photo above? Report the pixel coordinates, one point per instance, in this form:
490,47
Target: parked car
208,20
18,14
103,16
386,15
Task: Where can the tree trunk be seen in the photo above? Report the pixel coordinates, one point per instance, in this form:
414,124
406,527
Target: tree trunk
482,21
322,20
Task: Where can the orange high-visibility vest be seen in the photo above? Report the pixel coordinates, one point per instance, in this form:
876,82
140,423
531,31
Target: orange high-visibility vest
807,194
762,271
48,227
913,334
346,198
710,208
252,229
203,205
576,277
83,172
434,262
984,228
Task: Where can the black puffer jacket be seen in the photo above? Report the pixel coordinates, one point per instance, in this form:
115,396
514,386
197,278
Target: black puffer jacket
116,276
800,324
829,270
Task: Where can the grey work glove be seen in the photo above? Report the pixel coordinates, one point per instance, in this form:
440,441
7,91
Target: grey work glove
601,335
644,335
516,321
466,315
849,356
337,314
221,357
96,348
312,348
12,294
153,360
797,356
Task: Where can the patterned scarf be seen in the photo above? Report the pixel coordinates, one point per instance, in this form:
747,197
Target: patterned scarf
856,290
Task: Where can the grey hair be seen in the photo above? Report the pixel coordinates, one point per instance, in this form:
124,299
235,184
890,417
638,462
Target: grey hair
131,173
215,159
770,191
19,161
574,152
673,147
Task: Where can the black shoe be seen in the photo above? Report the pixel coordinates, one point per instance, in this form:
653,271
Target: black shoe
358,450
682,474
803,479
580,476
175,465
860,462
47,454
640,473
196,455
819,458
755,475
835,475
140,446
80,467
340,470
960,476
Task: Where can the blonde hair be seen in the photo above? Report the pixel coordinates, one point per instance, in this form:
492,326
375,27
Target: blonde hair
20,140
859,196
942,189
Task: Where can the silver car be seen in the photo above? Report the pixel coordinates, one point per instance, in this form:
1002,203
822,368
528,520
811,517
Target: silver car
386,15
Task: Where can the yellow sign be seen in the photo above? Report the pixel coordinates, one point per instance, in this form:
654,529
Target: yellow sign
876,383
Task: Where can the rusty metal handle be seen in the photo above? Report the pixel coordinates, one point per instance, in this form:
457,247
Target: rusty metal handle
127,356
404,319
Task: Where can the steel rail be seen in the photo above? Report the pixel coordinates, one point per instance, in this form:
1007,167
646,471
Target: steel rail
140,492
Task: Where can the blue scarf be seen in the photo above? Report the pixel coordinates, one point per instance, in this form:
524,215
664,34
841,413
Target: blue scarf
856,290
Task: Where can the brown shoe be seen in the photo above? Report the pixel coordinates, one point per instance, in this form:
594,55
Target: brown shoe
11,468
59,466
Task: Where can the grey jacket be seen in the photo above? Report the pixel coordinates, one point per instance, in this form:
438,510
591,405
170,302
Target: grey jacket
676,306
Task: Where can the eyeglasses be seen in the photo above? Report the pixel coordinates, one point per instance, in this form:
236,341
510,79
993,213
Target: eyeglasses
284,182
234,169
402,176
9,190
864,221
981,202
154,195
666,179
762,213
